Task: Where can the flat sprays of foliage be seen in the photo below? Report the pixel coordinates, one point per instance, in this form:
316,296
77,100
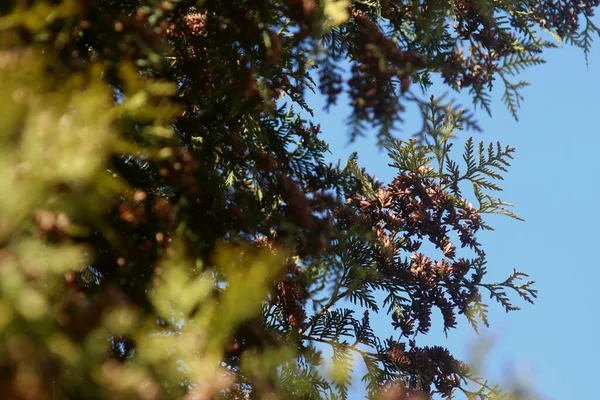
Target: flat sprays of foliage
169,227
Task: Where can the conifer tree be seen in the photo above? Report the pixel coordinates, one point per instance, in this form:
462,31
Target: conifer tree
169,227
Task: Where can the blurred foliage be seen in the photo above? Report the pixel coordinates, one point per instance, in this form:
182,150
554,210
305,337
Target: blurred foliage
169,227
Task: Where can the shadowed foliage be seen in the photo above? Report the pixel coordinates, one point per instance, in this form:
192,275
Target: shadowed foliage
169,227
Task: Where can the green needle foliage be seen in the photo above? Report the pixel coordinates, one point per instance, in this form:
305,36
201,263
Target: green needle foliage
170,229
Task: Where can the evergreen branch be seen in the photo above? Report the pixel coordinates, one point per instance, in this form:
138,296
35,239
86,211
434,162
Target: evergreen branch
524,290
512,97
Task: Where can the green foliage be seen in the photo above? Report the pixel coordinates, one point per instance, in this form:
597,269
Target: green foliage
169,227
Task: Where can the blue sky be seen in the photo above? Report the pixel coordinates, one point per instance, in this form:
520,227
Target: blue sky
554,183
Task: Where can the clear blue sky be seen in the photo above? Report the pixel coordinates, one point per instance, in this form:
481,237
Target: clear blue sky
555,183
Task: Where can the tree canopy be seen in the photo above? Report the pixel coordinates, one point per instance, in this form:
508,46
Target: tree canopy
169,224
